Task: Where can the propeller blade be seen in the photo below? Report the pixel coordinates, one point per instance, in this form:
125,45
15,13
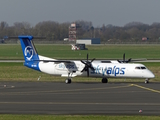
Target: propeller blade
92,68
92,60
88,64
124,61
129,60
88,72
83,62
124,57
83,69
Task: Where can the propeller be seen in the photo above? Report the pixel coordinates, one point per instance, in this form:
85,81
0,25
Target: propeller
124,61
88,64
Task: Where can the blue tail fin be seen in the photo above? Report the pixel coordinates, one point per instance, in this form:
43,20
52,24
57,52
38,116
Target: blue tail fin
29,52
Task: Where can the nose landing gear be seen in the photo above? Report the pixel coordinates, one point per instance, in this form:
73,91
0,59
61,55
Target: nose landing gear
146,81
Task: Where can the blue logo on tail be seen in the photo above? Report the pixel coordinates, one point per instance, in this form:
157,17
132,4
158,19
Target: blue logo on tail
28,53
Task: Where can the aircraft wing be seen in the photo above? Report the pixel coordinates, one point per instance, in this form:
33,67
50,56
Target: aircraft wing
141,59
66,75
56,61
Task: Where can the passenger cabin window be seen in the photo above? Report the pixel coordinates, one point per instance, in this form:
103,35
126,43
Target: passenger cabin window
142,68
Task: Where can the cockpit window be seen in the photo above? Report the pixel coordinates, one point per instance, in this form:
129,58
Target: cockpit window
142,68
137,68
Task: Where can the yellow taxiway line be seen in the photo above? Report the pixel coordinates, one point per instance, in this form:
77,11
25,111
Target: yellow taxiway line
149,89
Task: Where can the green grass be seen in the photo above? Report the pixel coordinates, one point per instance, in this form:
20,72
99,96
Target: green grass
94,51
18,72
76,117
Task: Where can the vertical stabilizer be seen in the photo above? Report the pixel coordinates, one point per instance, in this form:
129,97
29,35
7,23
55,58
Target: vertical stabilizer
29,52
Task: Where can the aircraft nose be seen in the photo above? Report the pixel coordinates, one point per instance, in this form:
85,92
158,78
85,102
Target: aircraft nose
151,75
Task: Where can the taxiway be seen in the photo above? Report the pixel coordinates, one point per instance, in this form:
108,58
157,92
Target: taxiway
79,98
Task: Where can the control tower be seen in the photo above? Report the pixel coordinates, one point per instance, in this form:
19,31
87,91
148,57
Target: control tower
72,32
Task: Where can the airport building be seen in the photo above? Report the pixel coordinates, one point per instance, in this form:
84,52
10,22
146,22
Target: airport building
88,41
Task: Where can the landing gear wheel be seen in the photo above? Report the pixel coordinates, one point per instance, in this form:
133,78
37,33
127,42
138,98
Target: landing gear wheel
104,80
146,82
68,81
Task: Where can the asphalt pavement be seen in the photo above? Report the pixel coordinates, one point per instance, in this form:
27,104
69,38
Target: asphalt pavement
79,98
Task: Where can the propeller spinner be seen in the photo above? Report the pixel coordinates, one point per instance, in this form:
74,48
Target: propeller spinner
88,64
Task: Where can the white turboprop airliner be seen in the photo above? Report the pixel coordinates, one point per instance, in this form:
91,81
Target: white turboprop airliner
90,68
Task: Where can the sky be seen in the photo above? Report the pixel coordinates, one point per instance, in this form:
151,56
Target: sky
99,12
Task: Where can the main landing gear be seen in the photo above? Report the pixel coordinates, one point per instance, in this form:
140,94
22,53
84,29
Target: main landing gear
104,80
68,80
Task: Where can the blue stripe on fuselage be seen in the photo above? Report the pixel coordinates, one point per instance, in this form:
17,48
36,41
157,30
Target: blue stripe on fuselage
32,65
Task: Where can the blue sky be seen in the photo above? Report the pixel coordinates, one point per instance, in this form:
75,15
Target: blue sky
99,12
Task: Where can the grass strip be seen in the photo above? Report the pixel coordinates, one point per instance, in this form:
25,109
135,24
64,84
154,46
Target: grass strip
76,117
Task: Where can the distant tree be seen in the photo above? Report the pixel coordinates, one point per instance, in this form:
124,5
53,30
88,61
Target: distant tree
3,25
133,24
22,28
133,31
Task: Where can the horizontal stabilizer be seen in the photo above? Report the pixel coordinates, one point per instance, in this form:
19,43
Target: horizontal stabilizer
26,37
